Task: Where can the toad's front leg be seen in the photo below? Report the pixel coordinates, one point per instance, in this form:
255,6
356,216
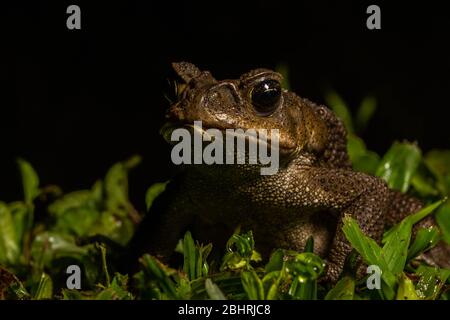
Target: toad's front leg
345,192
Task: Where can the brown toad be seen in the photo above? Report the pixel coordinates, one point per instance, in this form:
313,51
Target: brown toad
313,189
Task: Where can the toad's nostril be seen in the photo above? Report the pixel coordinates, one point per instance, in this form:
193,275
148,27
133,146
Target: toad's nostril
225,91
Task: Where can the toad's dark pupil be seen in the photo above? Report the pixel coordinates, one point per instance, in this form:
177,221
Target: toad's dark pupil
265,96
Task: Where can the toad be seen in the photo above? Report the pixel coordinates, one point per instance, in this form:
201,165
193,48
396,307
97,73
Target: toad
309,195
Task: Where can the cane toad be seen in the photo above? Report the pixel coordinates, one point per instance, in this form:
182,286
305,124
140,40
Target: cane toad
313,189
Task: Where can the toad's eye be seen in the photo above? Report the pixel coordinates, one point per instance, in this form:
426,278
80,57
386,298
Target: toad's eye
266,96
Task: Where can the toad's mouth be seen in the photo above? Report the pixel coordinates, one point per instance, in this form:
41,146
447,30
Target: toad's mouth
264,138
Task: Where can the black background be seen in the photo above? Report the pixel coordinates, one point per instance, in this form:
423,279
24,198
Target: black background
76,101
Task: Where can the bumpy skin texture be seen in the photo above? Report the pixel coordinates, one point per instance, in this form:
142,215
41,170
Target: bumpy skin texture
312,191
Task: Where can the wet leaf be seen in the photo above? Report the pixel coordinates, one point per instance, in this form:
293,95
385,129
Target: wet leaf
116,186
302,289
30,181
240,252
399,164
49,246
271,283
424,182
190,257
443,221
213,290
276,261
425,239
343,290
438,161
396,240
431,281
306,266
22,216
45,288
9,248
309,246
118,229
252,285
153,192
362,159
368,249
161,274
406,289
117,290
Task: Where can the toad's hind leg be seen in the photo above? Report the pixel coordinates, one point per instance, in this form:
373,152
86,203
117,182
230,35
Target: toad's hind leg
346,193
402,205
368,210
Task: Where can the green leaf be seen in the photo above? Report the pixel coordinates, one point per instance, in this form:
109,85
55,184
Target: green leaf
252,285
396,240
302,289
195,257
438,162
343,290
230,283
271,283
117,290
77,221
368,249
117,228
45,288
213,291
427,286
362,159
116,186
406,290
78,212
21,214
9,247
431,281
365,112
48,246
306,266
240,252
443,221
153,192
305,269
158,272
202,263
399,164
104,263
309,246
243,244
73,201
414,218
340,108
425,239
76,295
190,256
30,181
424,182
276,261
395,250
